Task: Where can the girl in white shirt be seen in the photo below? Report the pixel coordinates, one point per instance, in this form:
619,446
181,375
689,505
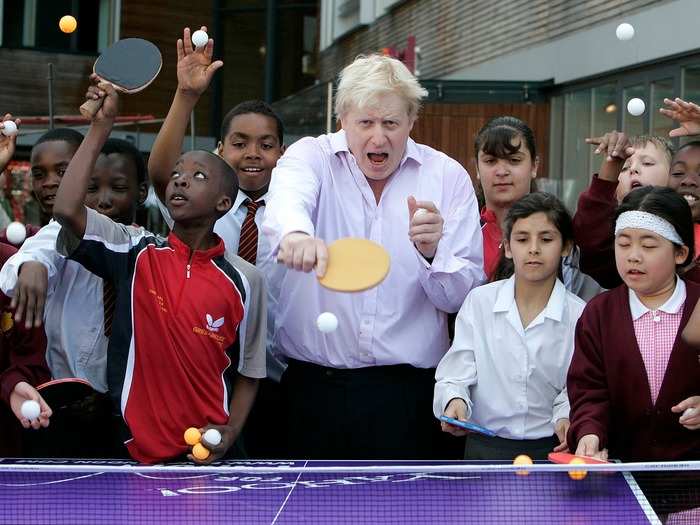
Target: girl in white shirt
506,369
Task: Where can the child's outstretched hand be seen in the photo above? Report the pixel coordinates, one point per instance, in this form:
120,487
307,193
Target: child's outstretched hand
22,392
30,293
110,106
7,144
690,409
228,437
614,145
195,68
456,409
589,445
560,429
687,114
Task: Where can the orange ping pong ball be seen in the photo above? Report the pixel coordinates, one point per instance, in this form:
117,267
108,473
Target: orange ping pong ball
192,436
68,24
577,474
520,461
200,452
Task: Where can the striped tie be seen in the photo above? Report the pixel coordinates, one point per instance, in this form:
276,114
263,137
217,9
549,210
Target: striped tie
248,243
108,299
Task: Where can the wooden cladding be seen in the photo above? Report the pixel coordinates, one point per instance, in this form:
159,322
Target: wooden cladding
455,34
452,128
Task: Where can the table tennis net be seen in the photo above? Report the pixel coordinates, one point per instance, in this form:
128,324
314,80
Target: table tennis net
310,493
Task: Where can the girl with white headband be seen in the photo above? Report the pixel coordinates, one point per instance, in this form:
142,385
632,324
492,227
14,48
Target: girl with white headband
634,385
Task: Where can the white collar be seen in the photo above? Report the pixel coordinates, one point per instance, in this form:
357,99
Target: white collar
241,197
671,306
505,300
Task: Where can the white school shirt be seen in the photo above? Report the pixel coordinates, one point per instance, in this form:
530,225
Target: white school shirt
318,188
74,310
512,379
228,228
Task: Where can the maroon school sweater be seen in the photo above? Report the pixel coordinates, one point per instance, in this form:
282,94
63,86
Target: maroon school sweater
609,390
594,232
22,358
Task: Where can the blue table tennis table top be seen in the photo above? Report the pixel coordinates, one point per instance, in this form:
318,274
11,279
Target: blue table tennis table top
55,496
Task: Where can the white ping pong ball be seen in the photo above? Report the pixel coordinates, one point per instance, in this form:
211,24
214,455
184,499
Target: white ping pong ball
200,38
327,322
212,437
30,409
9,129
636,106
16,233
624,31
689,412
420,211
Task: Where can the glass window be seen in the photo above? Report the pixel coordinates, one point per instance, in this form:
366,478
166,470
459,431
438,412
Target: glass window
34,24
690,90
576,158
630,124
660,124
552,183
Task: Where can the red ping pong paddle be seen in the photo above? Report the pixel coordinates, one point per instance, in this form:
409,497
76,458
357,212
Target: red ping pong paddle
61,393
130,65
565,458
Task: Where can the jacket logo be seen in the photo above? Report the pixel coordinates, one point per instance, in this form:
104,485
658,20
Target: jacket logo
213,325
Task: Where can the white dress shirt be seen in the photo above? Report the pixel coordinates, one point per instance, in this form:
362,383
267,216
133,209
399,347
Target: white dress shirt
228,228
318,188
513,379
74,311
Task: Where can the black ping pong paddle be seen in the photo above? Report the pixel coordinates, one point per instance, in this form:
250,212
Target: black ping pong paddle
62,393
130,65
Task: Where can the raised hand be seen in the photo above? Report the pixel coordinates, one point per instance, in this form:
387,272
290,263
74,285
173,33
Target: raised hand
7,144
195,68
687,114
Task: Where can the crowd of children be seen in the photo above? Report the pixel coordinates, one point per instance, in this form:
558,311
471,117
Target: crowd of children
585,337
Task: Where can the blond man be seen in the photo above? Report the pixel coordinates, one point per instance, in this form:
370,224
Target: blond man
365,390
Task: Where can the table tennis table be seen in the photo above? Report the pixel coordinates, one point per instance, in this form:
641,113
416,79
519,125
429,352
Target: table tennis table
310,493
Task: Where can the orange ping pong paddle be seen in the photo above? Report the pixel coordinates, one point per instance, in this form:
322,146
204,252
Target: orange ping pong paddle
355,265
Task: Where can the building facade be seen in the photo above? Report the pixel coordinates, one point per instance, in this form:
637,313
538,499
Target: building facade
557,64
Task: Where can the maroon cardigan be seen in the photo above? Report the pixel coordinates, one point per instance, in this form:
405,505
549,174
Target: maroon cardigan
594,232
609,390
22,358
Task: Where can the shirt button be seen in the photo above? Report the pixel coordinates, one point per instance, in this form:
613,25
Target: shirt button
657,318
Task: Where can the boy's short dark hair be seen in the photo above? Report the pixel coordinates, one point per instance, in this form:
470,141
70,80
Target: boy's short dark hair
126,148
69,135
253,106
691,144
229,180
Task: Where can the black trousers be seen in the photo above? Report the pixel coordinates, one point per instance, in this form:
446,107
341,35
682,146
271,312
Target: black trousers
381,412
264,434
495,448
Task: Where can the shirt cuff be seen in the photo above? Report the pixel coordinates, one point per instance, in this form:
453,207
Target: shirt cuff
560,412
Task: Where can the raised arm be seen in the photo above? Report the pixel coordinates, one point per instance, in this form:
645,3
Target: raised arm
69,209
7,144
195,70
